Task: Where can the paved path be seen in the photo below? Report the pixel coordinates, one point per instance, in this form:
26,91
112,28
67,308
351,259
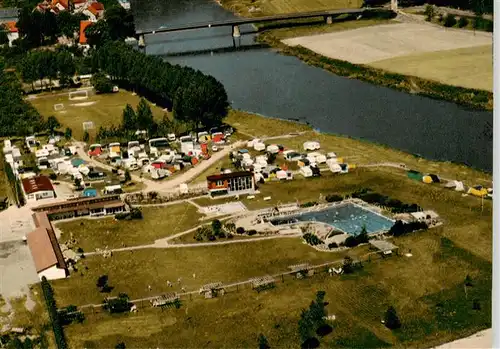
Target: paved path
479,340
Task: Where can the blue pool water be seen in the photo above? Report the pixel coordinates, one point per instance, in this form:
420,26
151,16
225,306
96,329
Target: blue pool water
348,218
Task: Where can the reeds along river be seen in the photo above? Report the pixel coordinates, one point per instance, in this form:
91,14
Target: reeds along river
264,82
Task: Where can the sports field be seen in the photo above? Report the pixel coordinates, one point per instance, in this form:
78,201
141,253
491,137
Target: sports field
468,67
104,110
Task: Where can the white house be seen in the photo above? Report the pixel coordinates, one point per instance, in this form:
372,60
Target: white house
45,250
38,188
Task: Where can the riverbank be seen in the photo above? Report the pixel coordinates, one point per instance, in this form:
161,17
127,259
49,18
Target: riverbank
467,97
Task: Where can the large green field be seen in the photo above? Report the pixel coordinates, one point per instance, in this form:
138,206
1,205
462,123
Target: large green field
158,222
104,110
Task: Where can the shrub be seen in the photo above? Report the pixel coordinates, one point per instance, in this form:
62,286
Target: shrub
312,239
391,319
118,305
449,20
135,213
399,228
429,12
53,176
332,245
240,230
440,18
79,250
229,236
462,22
351,241
122,215
333,198
309,204
252,232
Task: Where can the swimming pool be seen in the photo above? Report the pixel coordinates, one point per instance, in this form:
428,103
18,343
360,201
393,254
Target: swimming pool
348,218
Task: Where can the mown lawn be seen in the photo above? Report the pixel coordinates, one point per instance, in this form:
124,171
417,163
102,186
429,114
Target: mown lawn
158,222
133,271
104,110
426,290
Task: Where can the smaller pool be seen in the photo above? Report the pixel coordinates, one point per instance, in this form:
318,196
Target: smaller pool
349,218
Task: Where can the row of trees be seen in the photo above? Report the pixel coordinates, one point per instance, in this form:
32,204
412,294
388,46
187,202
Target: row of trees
17,117
48,65
54,317
196,98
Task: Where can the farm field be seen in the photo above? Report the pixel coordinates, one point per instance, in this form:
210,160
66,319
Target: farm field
104,110
468,67
157,223
390,47
256,8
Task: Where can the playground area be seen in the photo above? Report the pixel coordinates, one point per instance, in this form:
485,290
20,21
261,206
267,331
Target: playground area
74,108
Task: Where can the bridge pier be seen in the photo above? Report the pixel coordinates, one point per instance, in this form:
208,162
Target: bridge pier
236,31
328,19
394,5
141,41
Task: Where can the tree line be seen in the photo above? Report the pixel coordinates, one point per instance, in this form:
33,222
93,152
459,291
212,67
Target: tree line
17,117
196,98
48,65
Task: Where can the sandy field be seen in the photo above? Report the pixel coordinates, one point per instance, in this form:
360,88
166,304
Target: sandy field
370,44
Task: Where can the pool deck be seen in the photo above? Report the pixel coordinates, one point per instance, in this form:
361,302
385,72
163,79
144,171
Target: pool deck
260,220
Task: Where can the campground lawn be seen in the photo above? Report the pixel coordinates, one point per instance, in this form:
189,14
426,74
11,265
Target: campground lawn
158,222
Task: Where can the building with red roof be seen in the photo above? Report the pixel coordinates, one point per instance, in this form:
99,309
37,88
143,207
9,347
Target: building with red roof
38,188
83,26
45,249
13,32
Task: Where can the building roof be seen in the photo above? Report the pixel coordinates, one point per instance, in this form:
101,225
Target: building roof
83,26
8,13
44,246
383,245
76,203
11,26
63,3
223,176
36,184
96,6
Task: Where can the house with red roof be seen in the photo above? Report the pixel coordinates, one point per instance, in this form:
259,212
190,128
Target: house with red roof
13,32
83,26
38,188
94,11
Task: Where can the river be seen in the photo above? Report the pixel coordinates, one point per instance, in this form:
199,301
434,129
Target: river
261,81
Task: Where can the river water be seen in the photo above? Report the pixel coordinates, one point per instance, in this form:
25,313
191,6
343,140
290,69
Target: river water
261,81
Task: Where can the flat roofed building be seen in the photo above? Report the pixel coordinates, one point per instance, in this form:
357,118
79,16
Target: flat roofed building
233,183
94,206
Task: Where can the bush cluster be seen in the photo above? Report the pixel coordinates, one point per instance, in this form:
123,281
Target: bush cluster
399,228
50,302
396,206
312,239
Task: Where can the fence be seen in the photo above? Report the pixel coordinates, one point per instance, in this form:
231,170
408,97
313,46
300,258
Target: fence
320,270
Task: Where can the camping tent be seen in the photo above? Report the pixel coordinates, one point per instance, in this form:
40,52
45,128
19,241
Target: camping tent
311,145
415,175
273,149
306,171
259,146
427,179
